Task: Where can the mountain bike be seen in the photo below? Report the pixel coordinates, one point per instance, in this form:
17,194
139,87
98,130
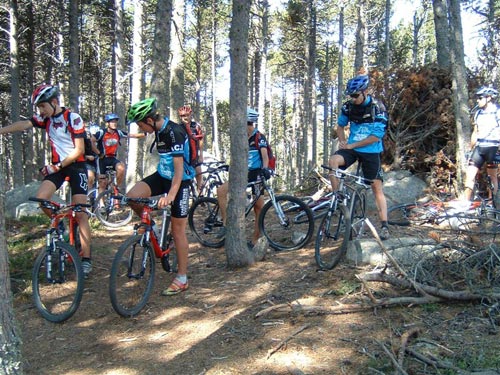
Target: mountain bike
345,219
286,221
445,210
133,269
57,275
111,211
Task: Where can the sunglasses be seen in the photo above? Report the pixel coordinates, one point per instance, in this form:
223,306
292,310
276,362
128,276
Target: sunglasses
481,97
354,96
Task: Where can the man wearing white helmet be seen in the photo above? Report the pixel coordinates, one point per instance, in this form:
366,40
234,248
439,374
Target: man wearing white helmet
485,140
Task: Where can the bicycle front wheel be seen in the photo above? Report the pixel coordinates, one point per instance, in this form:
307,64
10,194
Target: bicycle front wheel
57,282
288,225
112,212
206,223
132,276
332,238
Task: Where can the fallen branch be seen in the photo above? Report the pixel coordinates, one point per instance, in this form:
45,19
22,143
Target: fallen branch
401,283
283,342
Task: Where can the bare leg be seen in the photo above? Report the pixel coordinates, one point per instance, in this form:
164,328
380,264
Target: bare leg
181,243
380,200
83,223
120,174
222,198
469,181
335,162
257,209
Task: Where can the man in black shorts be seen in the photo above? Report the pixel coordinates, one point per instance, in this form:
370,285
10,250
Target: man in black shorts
66,133
367,120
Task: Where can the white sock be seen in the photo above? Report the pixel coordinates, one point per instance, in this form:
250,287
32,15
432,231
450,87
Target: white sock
182,278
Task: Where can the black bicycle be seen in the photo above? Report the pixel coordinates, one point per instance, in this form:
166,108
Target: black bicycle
286,221
344,221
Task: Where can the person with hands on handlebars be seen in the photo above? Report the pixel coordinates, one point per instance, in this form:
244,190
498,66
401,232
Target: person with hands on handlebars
367,120
258,164
173,178
66,132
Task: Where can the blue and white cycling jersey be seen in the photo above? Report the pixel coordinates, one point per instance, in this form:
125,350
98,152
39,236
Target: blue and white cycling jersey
369,118
254,156
173,142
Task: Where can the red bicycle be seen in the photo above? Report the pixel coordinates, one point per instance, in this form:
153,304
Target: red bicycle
57,273
133,269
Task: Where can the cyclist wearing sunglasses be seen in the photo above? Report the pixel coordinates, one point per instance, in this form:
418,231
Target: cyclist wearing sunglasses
485,140
366,119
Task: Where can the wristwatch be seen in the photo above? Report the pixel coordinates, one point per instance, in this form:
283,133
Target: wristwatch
58,165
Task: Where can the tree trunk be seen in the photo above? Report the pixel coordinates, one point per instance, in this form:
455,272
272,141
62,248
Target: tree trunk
122,88
237,252
359,58
459,89
441,29
177,60
74,56
213,58
135,169
17,148
387,45
160,77
10,343
261,104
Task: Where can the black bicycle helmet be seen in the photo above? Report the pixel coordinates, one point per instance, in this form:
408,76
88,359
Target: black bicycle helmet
357,84
140,110
487,91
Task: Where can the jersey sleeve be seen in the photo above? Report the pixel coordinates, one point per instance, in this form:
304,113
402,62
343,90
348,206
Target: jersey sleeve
77,125
38,122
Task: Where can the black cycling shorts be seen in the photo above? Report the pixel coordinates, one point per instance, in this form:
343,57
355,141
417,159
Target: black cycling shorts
481,155
107,162
371,165
77,175
160,185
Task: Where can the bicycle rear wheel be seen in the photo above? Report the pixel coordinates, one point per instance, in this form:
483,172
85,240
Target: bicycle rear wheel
112,212
289,225
357,214
332,238
206,223
57,282
132,276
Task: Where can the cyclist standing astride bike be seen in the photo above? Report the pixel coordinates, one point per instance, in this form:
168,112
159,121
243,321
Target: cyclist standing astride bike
195,132
108,141
485,140
367,120
173,177
258,162
66,133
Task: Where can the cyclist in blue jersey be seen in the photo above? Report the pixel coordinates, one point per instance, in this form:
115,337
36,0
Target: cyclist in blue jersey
485,140
366,118
258,163
173,177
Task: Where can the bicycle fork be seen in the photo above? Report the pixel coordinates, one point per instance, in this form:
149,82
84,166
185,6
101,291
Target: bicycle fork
279,210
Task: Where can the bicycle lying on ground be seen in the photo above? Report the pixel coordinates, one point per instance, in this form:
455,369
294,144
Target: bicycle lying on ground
110,211
57,273
344,221
286,221
444,210
133,269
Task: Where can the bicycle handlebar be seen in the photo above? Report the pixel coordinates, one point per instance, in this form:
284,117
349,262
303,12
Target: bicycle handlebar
340,173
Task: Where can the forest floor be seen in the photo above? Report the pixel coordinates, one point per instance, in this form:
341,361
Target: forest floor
212,328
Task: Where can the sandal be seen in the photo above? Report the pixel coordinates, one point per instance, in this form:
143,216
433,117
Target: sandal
175,288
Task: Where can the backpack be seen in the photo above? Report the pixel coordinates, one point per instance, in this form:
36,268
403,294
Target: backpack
270,154
193,143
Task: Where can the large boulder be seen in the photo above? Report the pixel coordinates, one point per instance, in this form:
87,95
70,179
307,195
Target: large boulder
17,196
17,203
399,187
